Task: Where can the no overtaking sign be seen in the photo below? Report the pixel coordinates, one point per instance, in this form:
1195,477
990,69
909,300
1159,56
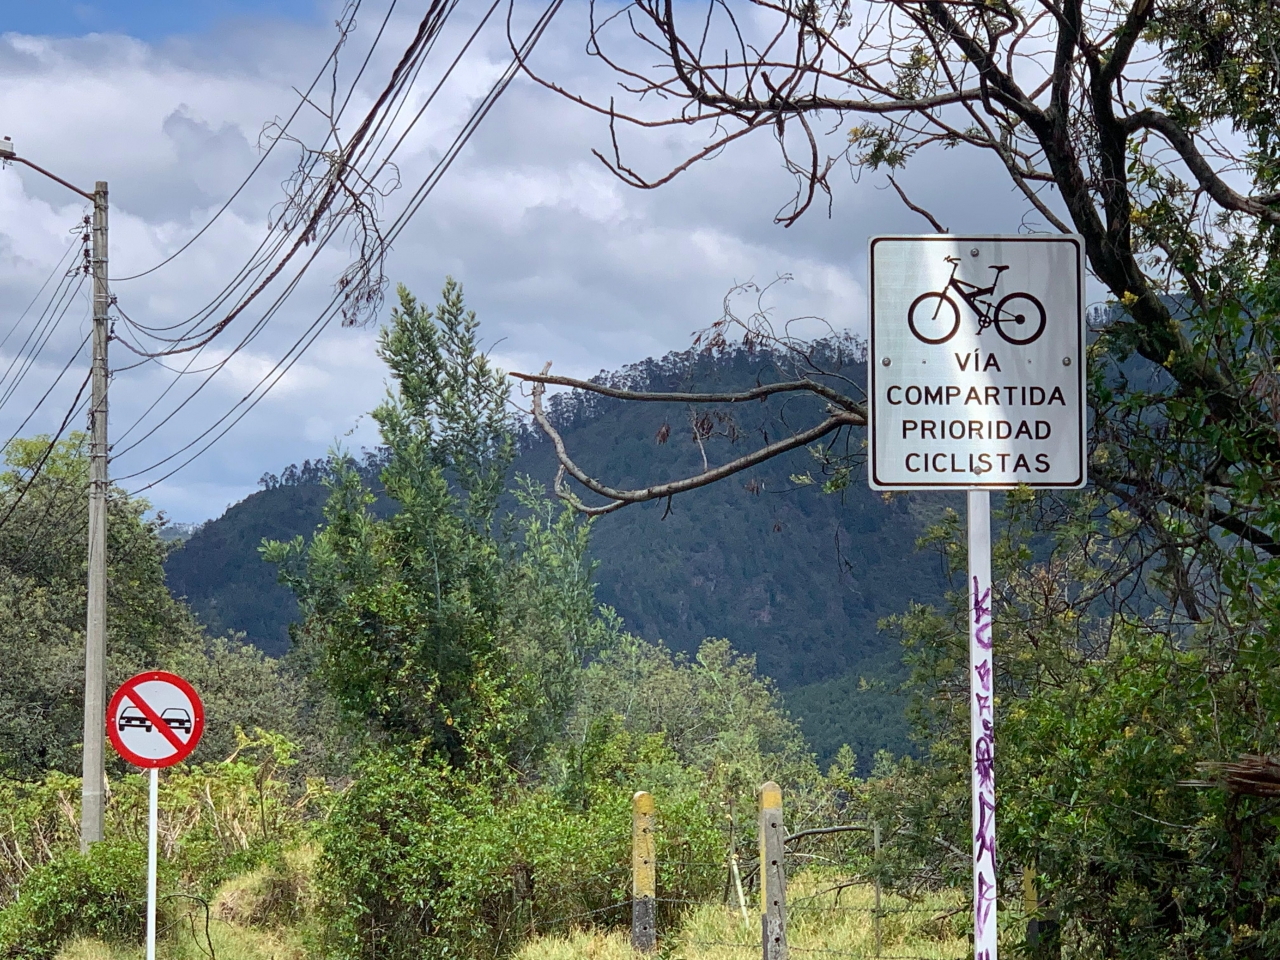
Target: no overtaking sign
977,362
155,719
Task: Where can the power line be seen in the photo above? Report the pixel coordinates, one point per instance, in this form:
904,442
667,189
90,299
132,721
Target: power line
345,23
253,397
258,263
35,471
435,30
79,240
39,403
331,188
55,315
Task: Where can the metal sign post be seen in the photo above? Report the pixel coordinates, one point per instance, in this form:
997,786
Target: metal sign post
154,720
976,382
981,727
153,824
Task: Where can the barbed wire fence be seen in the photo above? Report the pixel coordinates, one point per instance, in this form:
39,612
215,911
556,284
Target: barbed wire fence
833,890
825,891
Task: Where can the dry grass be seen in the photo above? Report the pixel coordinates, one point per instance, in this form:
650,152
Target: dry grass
230,942
823,923
249,918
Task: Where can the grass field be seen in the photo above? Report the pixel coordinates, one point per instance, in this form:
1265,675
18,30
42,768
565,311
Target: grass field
825,922
228,941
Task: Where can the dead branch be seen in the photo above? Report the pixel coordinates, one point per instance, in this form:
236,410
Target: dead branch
933,221
743,396
850,414
1256,776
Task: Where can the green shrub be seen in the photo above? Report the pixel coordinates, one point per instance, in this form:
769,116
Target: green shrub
420,860
216,820
102,895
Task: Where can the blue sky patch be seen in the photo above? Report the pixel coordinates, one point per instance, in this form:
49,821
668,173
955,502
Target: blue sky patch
145,19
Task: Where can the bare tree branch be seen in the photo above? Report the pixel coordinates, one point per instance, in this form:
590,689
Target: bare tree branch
933,221
743,396
619,498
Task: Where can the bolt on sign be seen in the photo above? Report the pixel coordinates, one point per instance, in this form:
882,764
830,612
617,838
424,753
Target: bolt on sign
977,362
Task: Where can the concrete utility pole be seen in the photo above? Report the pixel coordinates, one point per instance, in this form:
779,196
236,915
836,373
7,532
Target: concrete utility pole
95,638
93,775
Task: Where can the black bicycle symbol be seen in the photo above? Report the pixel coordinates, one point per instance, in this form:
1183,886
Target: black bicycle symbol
934,317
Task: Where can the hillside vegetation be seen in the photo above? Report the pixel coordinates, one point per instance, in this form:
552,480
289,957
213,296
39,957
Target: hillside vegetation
794,575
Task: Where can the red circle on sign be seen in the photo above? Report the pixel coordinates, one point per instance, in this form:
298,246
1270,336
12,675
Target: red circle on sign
162,744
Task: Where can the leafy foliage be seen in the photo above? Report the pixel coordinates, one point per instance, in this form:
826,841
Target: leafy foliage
102,895
419,858
216,821
423,857
433,626
1103,718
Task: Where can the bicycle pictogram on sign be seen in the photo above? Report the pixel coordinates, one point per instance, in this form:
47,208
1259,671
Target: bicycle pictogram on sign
934,316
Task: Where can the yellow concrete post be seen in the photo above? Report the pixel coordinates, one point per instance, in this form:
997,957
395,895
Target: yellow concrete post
1042,919
875,840
644,879
773,878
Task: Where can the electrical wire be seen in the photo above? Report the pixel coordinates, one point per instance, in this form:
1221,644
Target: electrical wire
77,241
435,29
39,403
253,397
346,22
35,471
434,26
56,310
331,188
258,261
36,535
42,336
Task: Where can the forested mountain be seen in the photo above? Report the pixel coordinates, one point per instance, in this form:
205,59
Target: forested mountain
795,575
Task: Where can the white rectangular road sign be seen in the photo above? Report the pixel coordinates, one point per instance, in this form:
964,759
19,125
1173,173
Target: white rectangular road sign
977,362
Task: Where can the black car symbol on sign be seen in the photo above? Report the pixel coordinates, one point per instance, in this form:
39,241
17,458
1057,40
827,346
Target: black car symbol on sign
132,717
176,718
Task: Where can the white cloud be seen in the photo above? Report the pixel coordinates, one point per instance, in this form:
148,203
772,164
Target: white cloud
561,261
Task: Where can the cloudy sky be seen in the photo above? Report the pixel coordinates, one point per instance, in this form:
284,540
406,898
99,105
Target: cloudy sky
167,102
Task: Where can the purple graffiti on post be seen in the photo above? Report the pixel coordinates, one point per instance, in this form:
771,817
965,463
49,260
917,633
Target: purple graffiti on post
983,670
984,762
986,836
982,743
982,615
986,901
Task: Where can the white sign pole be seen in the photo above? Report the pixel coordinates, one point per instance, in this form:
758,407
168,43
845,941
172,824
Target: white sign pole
981,732
152,830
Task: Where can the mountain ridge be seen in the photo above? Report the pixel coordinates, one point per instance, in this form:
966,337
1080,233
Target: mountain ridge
794,576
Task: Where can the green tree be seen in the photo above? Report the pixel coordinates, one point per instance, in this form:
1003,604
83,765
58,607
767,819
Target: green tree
443,626
1104,718
457,638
